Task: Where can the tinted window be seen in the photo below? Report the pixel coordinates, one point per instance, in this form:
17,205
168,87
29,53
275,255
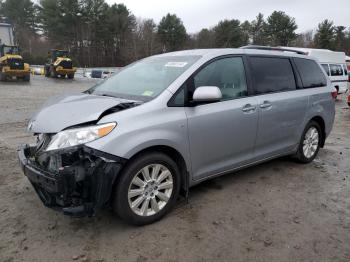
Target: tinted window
310,72
336,70
272,74
227,74
326,68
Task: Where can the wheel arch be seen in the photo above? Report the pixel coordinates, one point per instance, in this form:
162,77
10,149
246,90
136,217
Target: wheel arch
319,120
173,154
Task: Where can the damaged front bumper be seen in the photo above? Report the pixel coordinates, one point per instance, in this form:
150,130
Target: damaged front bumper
75,180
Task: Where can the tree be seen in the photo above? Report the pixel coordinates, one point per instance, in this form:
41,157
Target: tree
145,39
324,37
172,32
22,15
304,39
258,30
339,38
281,28
246,32
228,33
204,39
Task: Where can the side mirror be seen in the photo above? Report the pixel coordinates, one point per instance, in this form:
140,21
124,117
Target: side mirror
207,94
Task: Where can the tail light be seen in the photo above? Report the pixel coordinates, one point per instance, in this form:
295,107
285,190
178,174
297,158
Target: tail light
349,99
334,93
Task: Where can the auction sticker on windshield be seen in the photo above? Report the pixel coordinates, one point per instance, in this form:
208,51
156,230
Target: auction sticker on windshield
176,64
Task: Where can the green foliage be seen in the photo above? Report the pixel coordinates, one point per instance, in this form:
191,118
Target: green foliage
258,31
20,13
324,37
281,28
205,39
228,33
172,32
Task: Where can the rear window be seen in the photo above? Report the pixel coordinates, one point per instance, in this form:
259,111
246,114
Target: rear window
310,73
336,70
326,68
272,74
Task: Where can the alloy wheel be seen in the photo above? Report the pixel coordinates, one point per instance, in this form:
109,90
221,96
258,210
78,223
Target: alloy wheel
150,190
311,141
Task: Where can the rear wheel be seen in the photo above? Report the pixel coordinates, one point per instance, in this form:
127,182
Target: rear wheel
71,76
310,143
47,71
147,189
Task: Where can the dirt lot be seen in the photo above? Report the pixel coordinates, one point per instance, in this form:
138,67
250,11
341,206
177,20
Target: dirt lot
278,211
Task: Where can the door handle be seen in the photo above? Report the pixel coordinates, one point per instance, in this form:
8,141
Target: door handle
266,104
248,108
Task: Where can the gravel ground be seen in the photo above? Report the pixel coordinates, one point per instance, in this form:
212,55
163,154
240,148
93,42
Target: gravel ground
277,211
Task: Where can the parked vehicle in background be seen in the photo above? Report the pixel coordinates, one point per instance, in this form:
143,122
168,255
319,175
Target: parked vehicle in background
12,65
347,59
333,63
171,121
59,65
99,73
11,62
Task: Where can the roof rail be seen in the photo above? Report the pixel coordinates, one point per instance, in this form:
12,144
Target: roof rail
270,48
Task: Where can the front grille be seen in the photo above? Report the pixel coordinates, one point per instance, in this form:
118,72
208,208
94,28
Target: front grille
66,64
15,63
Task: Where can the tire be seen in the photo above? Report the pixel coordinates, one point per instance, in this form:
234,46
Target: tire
2,77
148,198
303,155
47,71
53,72
26,78
70,76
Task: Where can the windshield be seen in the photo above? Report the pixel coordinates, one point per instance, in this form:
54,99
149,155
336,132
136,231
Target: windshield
60,53
11,50
146,78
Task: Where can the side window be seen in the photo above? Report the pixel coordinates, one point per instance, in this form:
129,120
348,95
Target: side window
326,68
336,70
345,70
272,74
179,99
310,72
228,74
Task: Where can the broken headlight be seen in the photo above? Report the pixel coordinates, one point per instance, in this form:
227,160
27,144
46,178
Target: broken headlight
78,136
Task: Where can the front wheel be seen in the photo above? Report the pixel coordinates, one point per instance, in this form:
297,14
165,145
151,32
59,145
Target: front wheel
26,78
2,77
310,143
147,189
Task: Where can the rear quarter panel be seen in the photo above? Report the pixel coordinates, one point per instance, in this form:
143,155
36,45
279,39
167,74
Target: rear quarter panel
321,104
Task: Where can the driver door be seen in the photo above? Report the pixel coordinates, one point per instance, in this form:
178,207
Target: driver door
222,134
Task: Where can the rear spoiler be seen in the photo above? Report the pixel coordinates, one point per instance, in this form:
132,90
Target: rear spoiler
270,48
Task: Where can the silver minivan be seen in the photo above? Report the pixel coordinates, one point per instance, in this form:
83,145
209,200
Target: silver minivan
138,140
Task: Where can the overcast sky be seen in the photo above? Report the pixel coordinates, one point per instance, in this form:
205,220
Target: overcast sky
198,14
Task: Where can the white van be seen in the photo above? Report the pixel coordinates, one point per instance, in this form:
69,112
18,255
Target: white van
333,63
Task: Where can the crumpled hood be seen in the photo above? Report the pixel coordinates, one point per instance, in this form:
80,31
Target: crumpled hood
64,111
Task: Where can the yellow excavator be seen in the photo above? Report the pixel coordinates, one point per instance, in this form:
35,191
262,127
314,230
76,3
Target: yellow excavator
59,65
12,64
